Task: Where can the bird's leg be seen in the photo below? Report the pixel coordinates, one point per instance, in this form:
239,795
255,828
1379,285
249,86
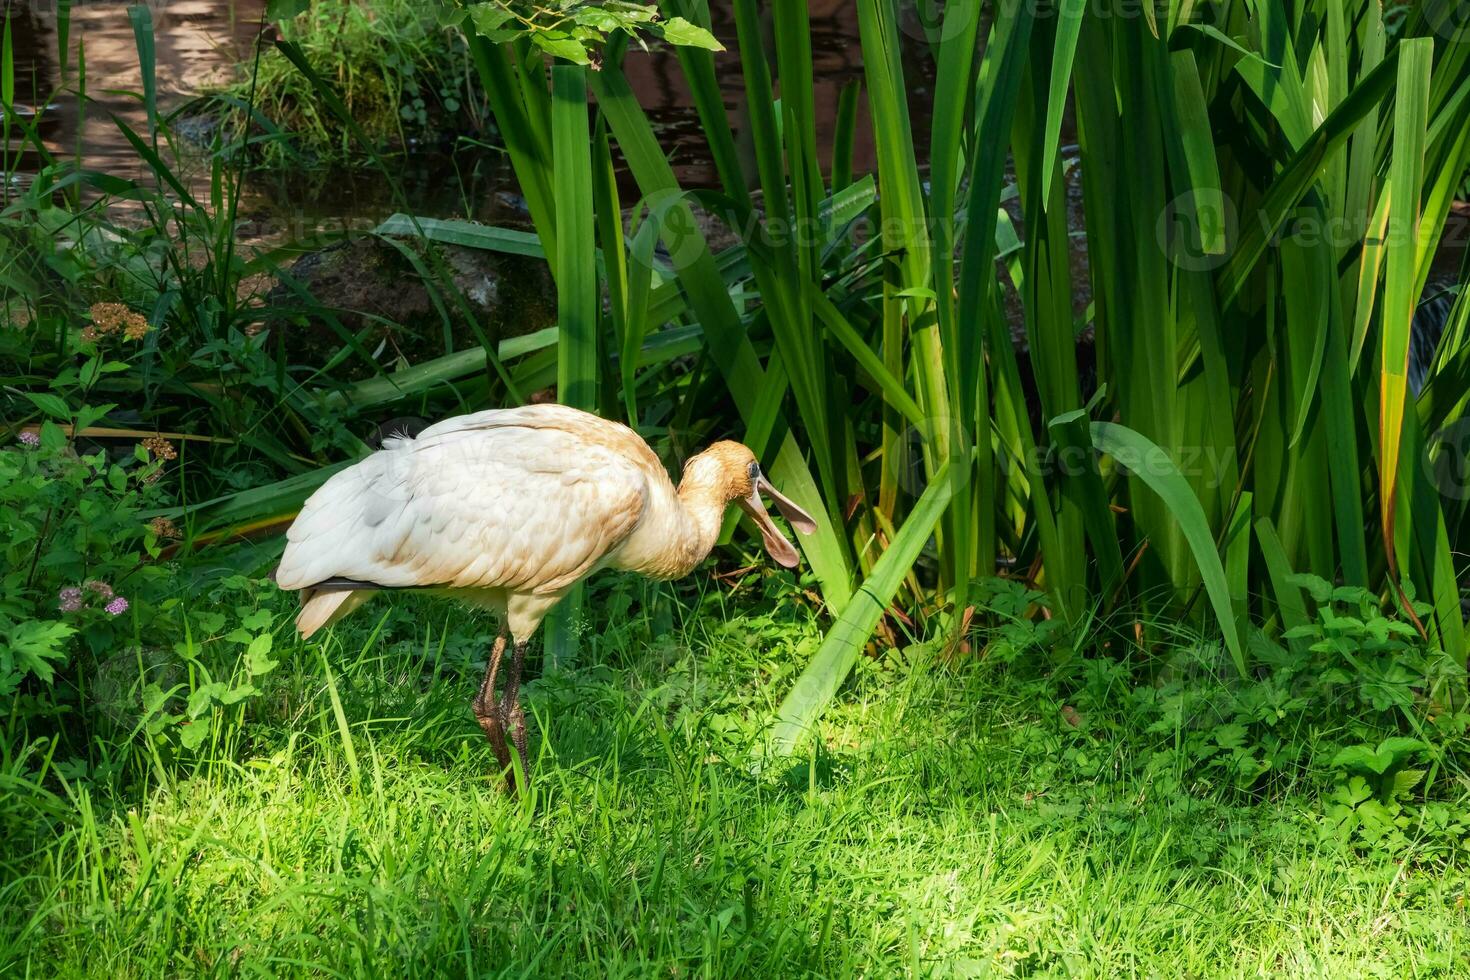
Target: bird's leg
488,710
512,717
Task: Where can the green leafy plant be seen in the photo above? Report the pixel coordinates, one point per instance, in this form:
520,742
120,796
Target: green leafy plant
1373,804
405,77
1016,624
77,552
573,29
231,622
1232,400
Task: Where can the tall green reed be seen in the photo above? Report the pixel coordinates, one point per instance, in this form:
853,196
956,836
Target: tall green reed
1262,188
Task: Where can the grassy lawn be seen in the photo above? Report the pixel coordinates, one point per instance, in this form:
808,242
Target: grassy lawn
1221,729
955,822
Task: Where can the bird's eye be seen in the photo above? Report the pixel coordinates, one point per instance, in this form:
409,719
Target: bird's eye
754,470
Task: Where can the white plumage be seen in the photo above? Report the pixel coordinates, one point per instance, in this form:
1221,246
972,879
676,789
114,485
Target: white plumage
508,509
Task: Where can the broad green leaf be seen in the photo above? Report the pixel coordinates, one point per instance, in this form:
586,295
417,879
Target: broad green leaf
257,656
193,733
678,31
36,647
52,405
488,18
277,11
204,696
561,46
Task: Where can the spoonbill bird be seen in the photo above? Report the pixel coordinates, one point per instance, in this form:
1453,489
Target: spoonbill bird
508,509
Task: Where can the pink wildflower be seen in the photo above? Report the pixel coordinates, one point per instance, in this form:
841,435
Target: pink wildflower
29,439
69,599
117,606
102,589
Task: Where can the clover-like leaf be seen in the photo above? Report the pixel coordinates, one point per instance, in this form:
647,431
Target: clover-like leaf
257,620
257,656
192,734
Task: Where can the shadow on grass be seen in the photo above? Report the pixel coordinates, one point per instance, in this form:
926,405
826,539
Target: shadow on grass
947,822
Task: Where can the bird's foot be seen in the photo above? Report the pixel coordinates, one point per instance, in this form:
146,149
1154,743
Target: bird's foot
515,722
491,719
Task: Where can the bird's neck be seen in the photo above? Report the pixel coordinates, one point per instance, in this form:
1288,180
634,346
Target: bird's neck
702,511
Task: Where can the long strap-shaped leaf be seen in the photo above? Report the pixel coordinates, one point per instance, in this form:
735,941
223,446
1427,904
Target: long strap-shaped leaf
576,277
528,156
731,349
1069,27
576,291
1154,467
818,684
1297,178
1411,111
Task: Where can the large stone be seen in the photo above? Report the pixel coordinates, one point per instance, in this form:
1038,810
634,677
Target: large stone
373,290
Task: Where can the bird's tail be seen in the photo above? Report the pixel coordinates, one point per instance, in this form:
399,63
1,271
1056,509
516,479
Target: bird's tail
322,607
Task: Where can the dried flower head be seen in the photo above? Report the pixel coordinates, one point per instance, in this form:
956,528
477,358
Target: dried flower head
99,588
69,599
29,439
160,448
117,606
90,335
164,528
108,317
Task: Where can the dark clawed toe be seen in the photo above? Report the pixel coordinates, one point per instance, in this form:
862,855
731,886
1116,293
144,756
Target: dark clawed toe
491,723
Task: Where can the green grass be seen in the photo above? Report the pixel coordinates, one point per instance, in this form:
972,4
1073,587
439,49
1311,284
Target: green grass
952,822
403,77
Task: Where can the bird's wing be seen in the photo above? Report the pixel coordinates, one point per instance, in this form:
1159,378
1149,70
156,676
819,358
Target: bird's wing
528,509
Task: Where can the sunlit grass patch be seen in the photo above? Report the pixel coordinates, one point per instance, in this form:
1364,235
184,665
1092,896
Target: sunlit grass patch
944,824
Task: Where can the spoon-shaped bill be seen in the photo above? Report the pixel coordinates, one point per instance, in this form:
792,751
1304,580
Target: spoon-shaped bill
776,544
799,518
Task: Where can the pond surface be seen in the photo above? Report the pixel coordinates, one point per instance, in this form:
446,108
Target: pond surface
196,44
199,43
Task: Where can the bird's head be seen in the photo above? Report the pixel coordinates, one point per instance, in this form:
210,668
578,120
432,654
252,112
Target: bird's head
731,470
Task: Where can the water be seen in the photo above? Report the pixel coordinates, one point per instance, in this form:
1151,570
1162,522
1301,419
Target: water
198,43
